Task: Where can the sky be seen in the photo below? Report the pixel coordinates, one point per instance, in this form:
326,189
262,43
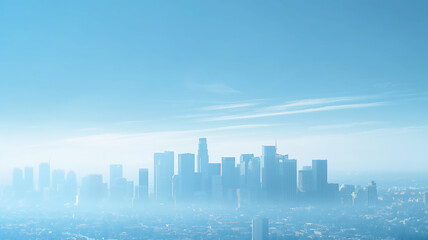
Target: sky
84,84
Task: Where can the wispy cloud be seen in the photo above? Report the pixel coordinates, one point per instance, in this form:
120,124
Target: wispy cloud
315,101
217,88
346,125
307,110
227,106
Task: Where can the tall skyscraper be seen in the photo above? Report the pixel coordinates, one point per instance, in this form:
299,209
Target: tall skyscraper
202,155
203,166
186,171
228,177
371,194
288,168
163,172
270,173
243,172
92,190
306,183
319,171
253,179
116,172
44,176
260,229
118,185
28,179
143,184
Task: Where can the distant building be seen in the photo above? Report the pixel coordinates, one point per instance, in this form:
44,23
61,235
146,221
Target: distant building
288,179
143,184
228,177
186,171
270,173
163,172
371,194
92,190
306,183
260,229
319,172
44,176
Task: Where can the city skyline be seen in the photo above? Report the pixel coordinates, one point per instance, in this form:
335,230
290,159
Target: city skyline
271,178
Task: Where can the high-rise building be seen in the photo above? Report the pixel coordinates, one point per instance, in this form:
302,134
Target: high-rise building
319,171
260,229
28,179
203,155
116,172
163,172
143,184
306,183
44,176
186,171
270,173
288,168
371,194
253,179
92,190
228,177
243,171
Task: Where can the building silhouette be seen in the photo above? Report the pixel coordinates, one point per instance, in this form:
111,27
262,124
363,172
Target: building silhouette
163,172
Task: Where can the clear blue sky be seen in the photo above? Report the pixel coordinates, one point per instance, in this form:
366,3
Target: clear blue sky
276,69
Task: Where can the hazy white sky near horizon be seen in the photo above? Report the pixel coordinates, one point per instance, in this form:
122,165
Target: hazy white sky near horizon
87,84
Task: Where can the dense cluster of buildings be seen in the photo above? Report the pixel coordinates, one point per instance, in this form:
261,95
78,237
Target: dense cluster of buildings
270,178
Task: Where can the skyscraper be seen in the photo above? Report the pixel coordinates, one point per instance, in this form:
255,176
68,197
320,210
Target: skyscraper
44,176
143,184
319,171
243,172
270,173
371,194
306,183
92,189
253,179
203,166
117,182
186,171
202,156
116,172
288,168
260,229
163,172
228,177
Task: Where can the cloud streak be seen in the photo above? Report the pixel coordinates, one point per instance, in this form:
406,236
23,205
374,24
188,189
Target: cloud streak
315,101
227,106
308,110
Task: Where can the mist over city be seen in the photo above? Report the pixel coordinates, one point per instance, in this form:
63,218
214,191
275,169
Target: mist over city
213,119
